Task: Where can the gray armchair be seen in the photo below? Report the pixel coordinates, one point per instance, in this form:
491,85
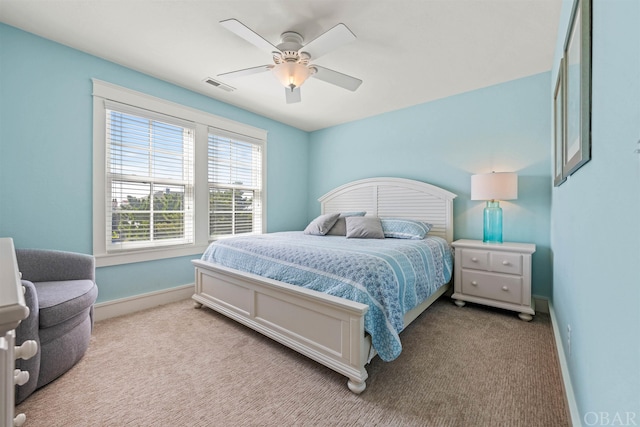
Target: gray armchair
60,291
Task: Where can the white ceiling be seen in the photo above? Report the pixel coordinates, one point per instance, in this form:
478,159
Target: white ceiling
407,52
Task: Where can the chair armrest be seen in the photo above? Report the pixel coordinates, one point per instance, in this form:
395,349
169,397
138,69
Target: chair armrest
42,265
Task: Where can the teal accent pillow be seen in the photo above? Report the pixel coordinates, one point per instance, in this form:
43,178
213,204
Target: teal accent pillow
364,227
322,224
400,228
340,227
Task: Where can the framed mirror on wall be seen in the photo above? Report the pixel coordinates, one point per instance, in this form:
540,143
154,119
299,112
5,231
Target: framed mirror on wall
576,124
558,127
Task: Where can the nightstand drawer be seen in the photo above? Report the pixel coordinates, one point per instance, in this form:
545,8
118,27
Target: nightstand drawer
477,260
504,262
492,286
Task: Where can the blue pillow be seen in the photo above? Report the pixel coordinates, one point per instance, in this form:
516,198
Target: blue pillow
401,228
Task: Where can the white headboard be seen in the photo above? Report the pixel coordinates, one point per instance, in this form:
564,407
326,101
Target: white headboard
395,197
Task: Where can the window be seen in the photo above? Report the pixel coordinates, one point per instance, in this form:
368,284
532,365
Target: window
168,179
149,179
235,185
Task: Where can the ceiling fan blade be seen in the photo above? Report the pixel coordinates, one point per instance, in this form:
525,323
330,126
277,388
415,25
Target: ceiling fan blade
241,30
336,78
326,42
292,96
247,71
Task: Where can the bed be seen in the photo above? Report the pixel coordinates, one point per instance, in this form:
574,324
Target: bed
327,328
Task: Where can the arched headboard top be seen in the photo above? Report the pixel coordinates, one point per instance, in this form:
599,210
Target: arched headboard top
397,198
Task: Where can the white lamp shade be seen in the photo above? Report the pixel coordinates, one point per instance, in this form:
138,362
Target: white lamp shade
494,186
291,74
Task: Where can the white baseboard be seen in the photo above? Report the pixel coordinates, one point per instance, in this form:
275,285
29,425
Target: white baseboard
120,307
541,304
574,413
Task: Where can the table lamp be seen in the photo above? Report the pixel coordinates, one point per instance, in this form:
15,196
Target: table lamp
494,187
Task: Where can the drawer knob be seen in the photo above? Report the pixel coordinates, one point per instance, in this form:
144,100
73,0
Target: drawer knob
27,350
505,288
19,420
474,283
474,259
505,263
20,377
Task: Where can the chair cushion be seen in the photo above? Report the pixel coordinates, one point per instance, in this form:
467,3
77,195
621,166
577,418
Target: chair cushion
60,301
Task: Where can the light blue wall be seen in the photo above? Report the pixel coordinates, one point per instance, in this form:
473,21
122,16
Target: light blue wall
503,128
46,156
595,232
46,174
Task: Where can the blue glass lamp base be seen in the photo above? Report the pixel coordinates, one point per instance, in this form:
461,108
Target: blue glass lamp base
492,222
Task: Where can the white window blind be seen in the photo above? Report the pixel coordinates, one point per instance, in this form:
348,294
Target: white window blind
150,179
235,184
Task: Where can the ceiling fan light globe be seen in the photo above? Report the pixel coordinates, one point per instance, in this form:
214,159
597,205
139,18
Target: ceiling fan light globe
291,74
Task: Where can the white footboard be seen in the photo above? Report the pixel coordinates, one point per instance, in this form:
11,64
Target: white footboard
327,329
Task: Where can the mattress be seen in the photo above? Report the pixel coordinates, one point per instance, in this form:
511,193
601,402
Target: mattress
391,276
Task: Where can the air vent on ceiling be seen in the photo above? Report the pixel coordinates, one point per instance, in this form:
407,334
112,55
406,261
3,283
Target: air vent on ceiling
218,84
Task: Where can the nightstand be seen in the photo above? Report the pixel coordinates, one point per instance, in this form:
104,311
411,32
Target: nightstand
494,274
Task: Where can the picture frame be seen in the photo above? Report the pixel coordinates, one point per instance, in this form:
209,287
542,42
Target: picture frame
577,89
559,127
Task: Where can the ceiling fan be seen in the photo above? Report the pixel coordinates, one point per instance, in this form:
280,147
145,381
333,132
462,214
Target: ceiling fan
292,59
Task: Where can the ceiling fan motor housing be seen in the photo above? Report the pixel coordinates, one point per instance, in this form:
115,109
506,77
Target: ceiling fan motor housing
290,49
290,41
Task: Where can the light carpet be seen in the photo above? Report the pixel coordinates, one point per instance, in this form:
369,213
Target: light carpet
175,365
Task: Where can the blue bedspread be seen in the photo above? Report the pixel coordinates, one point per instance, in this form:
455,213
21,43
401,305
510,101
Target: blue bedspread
391,276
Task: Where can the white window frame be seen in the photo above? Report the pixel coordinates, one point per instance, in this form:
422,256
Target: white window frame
258,220
103,92
150,179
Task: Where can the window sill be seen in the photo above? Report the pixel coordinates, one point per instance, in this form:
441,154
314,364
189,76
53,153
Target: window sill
128,257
